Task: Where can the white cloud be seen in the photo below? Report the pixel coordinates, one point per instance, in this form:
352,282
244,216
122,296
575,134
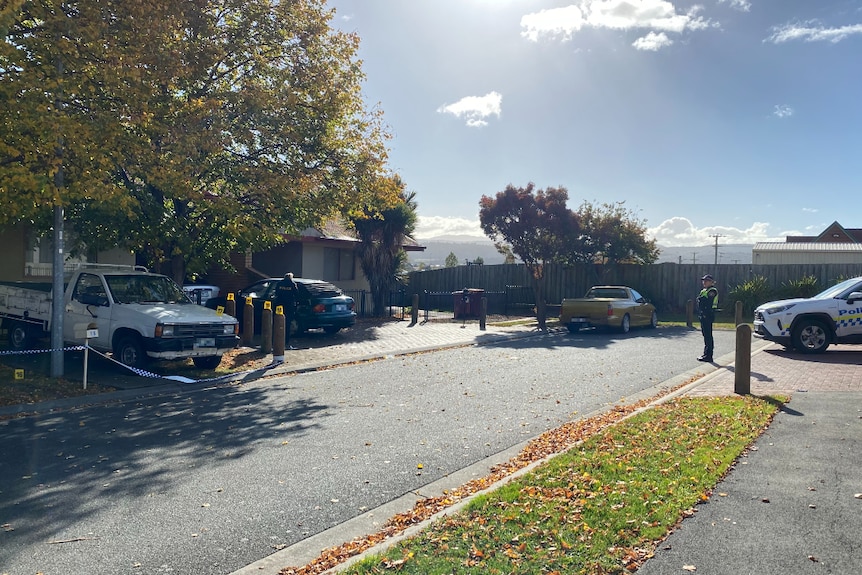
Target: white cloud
783,111
554,22
428,227
674,232
680,232
652,42
741,5
655,15
475,109
811,32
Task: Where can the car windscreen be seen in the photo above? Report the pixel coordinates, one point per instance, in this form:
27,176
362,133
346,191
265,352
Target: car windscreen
145,289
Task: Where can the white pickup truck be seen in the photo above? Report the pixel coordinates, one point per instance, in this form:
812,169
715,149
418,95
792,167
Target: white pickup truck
810,325
138,315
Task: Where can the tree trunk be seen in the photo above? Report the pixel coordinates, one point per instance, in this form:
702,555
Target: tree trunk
178,269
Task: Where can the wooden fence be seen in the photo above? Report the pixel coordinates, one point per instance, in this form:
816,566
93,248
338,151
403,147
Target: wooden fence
667,285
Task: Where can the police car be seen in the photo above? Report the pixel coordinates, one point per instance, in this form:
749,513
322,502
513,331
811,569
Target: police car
810,325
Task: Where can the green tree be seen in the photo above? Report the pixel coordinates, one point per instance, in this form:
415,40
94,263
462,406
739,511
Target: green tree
535,225
451,260
610,234
186,130
382,229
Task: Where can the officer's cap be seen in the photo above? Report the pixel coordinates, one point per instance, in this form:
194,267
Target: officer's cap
707,277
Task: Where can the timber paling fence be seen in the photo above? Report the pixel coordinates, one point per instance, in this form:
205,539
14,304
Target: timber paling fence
508,287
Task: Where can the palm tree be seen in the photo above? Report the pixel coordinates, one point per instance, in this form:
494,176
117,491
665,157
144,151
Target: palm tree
382,234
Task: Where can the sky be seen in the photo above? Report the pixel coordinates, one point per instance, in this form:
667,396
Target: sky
740,119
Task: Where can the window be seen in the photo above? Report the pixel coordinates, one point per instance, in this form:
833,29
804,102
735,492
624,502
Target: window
338,264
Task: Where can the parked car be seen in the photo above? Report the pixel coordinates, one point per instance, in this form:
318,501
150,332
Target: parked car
809,325
199,293
617,307
320,305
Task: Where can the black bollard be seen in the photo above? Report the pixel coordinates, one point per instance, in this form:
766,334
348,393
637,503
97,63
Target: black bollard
742,373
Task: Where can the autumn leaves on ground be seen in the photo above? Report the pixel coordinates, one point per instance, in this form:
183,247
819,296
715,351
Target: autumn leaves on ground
600,507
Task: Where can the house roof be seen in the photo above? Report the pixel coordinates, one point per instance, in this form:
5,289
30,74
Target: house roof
808,247
834,233
335,232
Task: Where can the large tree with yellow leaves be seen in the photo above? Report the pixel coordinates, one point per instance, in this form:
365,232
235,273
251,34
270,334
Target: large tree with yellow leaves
181,129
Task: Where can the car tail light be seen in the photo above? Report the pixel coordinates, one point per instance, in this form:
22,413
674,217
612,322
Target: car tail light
610,310
319,308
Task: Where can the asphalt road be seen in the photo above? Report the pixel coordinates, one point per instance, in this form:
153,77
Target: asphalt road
208,481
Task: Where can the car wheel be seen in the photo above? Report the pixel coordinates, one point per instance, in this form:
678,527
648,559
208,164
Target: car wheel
19,336
626,324
573,328
207,362
653,320
130,351
810,336
331,330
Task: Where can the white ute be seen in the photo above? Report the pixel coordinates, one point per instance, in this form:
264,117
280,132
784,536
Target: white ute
138,315
810,325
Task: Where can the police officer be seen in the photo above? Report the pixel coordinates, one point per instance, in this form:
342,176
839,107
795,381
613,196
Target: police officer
285,294
707,302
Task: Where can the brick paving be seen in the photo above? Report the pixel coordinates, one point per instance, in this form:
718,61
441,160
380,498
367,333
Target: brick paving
775,370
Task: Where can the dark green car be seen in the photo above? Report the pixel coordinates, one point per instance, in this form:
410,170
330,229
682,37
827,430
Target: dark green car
320,305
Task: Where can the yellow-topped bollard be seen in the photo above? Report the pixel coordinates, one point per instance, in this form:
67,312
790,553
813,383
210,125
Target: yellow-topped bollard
266,327
278,335
248,322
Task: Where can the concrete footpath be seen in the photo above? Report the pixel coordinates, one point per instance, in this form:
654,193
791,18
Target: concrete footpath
793,503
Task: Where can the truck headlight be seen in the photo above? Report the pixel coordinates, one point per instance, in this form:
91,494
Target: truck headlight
778,308
164,330
231,329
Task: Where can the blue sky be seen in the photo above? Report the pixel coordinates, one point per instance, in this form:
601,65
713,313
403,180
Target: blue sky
738,118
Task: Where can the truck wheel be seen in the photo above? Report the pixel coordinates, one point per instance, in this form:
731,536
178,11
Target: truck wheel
626,324
19,336
653,320
130,351
810,336
573,328
207,362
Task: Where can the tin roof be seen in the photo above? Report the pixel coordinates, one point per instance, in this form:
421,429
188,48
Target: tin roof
807,247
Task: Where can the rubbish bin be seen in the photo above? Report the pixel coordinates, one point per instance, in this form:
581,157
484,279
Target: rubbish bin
468,302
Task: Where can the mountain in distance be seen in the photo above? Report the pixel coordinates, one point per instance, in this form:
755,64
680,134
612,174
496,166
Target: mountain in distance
468,248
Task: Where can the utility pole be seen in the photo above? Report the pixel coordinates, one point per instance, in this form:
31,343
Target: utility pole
716,236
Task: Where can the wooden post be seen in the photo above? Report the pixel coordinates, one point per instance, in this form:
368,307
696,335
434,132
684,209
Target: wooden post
248,323
689,313
742,372
738,313
278,335
266,328
414,310
483,312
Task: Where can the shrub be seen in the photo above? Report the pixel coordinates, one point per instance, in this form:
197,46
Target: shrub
804,287
751,293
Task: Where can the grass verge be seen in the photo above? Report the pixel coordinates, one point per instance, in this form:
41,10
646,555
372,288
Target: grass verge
599,508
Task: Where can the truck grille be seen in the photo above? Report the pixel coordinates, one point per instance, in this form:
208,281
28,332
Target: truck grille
199,330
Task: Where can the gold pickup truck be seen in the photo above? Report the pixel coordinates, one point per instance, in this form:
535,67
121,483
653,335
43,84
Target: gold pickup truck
616,307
